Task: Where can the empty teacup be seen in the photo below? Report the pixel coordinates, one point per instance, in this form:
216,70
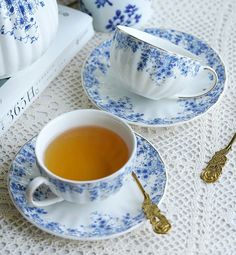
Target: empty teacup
83,156
156,68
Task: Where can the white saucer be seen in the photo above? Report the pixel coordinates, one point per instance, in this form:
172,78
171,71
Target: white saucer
114,216
138,110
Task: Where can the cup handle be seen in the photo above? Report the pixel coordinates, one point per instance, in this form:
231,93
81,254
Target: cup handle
33,185
215,80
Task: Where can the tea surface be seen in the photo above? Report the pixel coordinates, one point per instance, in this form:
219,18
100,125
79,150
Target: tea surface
86,153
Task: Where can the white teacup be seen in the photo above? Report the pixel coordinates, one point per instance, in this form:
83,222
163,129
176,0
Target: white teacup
156,68
80,191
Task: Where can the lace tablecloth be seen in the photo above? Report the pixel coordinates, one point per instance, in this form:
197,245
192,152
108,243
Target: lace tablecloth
203,216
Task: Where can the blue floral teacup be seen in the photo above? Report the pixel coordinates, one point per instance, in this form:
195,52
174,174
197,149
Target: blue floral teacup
107,14
80,191
156,68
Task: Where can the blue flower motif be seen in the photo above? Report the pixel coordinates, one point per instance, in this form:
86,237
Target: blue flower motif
131,10
93,194
102,3
17,187
94,191
72,232
19,170
127,17
54,226
21,15
115,21
126,42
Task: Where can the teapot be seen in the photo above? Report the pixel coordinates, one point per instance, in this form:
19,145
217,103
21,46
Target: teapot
27,28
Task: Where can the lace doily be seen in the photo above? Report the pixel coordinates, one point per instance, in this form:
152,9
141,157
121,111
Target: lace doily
203,216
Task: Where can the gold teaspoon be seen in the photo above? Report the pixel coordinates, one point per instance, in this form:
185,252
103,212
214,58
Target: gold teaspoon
159,222
213,170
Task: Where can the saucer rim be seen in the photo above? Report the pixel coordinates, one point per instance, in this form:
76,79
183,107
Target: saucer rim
140,124
92,239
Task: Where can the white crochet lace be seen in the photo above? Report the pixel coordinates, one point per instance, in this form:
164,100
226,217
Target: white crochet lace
203,216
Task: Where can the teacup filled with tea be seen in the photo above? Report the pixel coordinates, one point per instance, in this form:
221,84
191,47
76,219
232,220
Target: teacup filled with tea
83,156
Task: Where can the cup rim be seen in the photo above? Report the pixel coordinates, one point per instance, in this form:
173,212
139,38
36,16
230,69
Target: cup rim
121,29
41,164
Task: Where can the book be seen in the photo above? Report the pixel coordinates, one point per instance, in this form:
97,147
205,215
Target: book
17,93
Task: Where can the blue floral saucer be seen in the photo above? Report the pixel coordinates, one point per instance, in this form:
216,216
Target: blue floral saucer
118,214
104,93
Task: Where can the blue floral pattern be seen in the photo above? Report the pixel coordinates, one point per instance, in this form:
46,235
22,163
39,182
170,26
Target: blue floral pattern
124,104
128,17
102,3
19,19
164,63
98,191
100,223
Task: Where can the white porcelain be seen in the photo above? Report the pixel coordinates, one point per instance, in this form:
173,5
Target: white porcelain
80,191
107,14
110,96
157,68
26,31
116,215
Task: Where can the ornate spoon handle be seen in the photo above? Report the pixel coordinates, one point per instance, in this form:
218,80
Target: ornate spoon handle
213,170
159,222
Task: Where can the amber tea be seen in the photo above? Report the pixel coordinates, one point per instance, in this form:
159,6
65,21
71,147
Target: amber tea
86,153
